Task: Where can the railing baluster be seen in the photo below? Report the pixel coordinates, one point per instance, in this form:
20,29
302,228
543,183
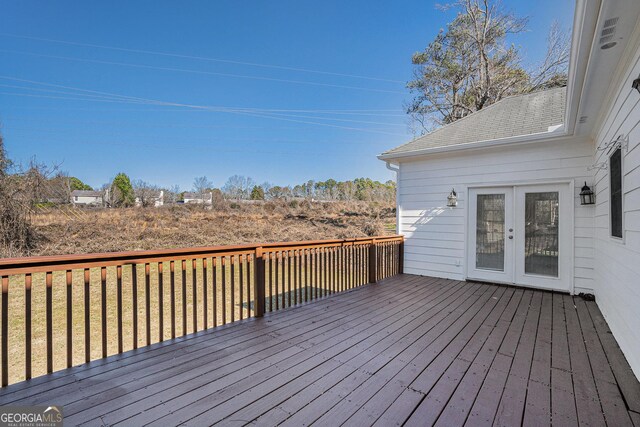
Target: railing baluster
315,272
27,326
297,277
172,297
325,255
134,301
350,254
49,305
69,319
87,316
205,306
194,295
183,267
233,287
247,260
147,298
278,303
103,305
320,271
214,291
224,291
241,284
160,303
119,308
307,275
289,277
270,280
5,331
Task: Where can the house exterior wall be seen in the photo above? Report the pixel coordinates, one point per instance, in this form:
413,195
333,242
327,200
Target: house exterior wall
86,200
616,261
436,235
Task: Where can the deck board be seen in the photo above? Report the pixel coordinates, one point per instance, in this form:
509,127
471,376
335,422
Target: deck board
408,351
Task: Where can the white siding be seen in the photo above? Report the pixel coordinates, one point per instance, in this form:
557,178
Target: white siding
435,234
87,200
617,263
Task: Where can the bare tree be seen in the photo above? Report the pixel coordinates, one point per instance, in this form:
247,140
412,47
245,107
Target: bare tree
238,187
172,194
146,194
17,237
554,68
470,65
202,186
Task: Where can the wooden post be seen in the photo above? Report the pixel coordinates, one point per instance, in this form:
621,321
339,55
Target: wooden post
5,331
373,263
401,257
259,283
49,317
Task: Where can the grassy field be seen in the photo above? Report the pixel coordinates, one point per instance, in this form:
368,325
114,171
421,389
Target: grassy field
74,231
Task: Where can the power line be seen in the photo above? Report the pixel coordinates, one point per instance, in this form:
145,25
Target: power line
241,111
210,73
213,140
201,58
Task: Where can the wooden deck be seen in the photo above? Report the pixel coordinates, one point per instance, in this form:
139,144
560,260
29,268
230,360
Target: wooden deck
408,351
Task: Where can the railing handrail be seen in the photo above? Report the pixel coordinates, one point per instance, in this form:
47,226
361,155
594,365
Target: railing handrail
12,266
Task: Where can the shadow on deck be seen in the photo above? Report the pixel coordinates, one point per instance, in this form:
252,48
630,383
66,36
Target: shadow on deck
410,350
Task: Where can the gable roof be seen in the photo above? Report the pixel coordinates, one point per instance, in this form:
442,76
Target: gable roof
518,115
198,196
86,193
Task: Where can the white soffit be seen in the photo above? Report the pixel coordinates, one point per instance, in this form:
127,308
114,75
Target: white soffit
616,21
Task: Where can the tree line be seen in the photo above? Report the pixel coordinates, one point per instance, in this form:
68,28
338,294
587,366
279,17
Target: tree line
124,192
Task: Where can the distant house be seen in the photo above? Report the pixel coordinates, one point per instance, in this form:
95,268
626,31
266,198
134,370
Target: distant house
155,199
86,198
198,198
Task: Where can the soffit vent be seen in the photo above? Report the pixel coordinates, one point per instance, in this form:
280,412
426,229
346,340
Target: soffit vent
608,30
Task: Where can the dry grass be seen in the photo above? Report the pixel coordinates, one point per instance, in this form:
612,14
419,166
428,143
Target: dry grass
111,230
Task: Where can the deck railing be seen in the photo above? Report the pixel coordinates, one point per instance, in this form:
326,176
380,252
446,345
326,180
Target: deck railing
62,311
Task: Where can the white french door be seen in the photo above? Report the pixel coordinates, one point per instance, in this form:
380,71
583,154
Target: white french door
521,235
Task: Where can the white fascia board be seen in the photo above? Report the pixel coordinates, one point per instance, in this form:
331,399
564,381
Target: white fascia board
585,20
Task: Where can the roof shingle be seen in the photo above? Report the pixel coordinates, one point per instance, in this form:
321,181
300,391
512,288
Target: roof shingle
513,116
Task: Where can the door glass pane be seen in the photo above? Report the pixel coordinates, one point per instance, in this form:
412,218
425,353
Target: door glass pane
490,232
541,234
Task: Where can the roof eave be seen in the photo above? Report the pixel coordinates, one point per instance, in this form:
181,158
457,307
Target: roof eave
559,133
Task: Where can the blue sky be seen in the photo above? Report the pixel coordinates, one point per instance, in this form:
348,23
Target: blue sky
316,89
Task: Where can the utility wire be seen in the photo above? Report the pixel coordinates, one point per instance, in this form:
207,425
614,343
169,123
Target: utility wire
209,73
247,112
200,58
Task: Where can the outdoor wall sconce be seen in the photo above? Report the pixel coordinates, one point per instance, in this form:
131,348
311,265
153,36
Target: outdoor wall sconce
586,195
452,199
636,84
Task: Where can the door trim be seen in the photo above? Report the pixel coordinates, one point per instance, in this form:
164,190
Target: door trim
513,184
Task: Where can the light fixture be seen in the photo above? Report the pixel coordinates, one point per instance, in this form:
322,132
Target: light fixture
452,199
586,195
636,84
